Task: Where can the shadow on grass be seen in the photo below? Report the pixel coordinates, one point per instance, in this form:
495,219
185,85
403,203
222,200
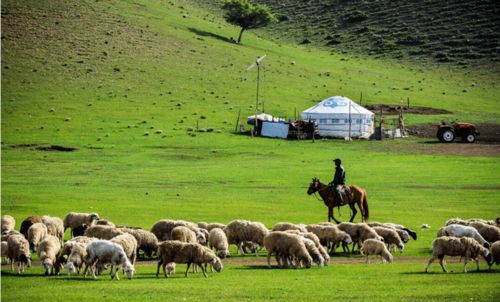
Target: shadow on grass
440,272
211,35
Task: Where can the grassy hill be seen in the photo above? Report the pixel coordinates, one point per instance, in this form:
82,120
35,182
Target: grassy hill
126,82
457,32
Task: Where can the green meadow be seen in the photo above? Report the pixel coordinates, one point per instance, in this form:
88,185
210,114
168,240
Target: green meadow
127,83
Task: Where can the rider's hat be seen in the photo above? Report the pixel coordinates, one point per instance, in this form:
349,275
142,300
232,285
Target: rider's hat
337,160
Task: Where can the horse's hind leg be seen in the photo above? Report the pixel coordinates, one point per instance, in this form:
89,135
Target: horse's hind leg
354,212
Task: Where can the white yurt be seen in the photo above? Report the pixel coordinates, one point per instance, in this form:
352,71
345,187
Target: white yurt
334,115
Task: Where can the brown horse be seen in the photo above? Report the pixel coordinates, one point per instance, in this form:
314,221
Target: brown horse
357,196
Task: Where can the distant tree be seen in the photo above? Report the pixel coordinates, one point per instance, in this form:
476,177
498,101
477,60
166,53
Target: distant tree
247,15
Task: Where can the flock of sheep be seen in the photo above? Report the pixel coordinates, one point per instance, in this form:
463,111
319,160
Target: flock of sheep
98,243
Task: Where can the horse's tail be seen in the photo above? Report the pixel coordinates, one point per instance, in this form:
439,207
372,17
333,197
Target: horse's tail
365,207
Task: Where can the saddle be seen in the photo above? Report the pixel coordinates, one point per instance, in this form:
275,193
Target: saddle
345,193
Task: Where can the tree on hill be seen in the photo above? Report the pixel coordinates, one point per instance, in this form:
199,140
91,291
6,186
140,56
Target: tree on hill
247,15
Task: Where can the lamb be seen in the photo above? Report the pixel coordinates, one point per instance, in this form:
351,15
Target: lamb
465,247
189,253
74,220
375,247
285,226
286,246
238,231
18,249
47,252
36,233
359,232
391,237
104,251
217,240
146,241
495,252
489,232
72,254
129,245
26,224
458,230
102,232
163,228
55,227
8,223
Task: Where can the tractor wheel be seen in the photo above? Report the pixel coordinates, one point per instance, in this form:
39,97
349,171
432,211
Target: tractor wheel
446,135
470,138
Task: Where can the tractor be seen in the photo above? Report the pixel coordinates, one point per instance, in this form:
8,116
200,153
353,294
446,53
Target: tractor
448,133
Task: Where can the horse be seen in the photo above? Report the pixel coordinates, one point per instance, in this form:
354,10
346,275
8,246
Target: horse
357,196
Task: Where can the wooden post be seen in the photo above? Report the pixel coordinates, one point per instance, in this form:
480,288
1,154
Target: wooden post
361,99
408,103
237,122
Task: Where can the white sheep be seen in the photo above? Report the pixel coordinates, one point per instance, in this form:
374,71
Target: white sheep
239,231
55,227
47,252
330,234
286,246
217,240
66,249
466,247
495,252
36,233
18,249
375,247
391,238
317,243
285,226
188,253
74,220
8,223
105,251
458,230
75,259
314,252
102,232
183,234
359,232
403,232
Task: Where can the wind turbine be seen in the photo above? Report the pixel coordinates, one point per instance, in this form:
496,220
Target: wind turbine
257,63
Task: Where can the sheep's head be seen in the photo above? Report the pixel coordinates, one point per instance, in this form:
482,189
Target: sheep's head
25,259
129,270
217,264
201,238
70,268
347,239
405,237
47,265
307,260
487,256
223,254
94,216
401,247
59,264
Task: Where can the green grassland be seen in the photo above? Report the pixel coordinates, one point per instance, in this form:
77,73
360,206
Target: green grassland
98,76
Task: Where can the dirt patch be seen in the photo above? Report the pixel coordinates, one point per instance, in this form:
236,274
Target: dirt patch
489,133
43,148
394,110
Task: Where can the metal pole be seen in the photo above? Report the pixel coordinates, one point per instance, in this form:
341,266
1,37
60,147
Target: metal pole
257,97
350,120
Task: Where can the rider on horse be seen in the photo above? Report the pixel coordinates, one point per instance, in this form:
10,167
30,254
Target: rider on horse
338,183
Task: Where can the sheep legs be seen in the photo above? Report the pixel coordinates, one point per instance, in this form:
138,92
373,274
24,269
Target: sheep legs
441,259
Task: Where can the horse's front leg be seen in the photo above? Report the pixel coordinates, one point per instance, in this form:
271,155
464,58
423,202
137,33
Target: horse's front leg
332,216
354,212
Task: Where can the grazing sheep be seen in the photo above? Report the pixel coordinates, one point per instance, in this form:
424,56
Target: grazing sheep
104,251
375,247
102,232
214,225
238,231
466,247
74,220
146,241
489,232
47,252
105,222
189,253
391,238
8,223
458,230
403,235
183,234
36,233
55,227
286,246
163,228
217,240
18,249
359,232
129,245
495,252
26,224
72,254
6,235
202,225
3,250
314,252
285,226
330,234
79,230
